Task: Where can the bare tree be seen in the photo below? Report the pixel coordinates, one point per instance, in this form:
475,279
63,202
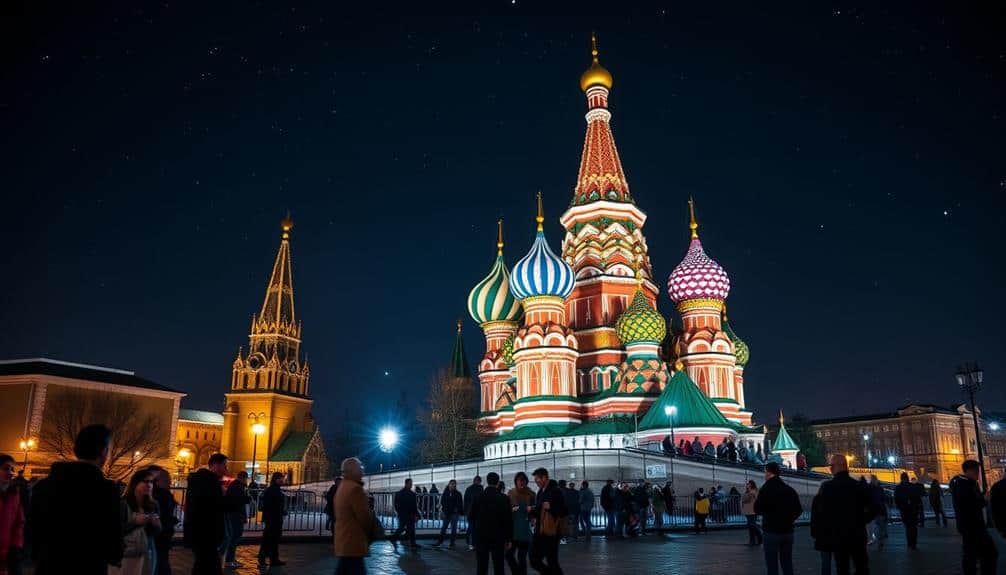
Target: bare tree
451,427
138,438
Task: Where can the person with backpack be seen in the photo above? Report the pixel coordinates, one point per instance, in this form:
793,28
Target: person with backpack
330,504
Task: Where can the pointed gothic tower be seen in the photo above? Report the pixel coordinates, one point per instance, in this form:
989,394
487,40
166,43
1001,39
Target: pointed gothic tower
269,386
604,230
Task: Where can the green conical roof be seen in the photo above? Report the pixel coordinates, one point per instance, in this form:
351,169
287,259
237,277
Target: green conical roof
741,350
459,361
783,442
693,407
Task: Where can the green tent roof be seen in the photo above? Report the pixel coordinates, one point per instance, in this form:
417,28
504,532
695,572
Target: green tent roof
693,407
459,361
293,447
783,441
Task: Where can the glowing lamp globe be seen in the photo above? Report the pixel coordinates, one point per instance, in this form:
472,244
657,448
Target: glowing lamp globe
258,428
387,439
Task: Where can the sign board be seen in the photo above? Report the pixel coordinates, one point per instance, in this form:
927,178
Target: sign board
655,471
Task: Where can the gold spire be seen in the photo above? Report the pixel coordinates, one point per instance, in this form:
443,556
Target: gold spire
287,225
459,325
693,225
782,420
540,218
596,75
499,239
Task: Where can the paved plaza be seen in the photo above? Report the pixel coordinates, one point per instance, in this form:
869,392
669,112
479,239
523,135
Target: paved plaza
714,553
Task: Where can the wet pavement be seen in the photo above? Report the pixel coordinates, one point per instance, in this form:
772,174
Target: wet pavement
717,552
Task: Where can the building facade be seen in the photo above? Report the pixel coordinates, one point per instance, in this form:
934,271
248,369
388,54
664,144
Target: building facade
46,401
576,353
930,440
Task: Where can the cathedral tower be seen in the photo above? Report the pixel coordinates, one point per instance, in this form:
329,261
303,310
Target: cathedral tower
268,416
604,231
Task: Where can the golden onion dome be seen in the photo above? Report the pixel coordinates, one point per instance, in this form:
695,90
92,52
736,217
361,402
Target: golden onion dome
596,75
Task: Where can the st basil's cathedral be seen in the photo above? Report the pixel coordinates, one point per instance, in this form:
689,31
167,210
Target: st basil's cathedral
577,356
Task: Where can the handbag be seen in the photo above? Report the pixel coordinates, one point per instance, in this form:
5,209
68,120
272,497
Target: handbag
549,525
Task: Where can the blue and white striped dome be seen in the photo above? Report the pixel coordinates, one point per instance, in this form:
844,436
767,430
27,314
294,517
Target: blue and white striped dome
541,272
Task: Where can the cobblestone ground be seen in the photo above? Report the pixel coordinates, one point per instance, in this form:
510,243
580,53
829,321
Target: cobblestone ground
714,553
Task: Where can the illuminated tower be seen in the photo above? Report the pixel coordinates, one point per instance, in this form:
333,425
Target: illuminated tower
269,387
496,310
604,229
544,348
699,286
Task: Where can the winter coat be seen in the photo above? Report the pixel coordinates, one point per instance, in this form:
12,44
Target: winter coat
608,497
521,499
779,506
494,517
406,504
74,519
697,447
748,501
586,501
554,497
968,505
840,512
451,502
997,499
710,451
273,505
205,506
166,506
907,497
936,496
471,494
238,498
353,520
658,502
571,498
11,524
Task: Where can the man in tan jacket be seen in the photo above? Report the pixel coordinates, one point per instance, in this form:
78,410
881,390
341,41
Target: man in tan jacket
352,520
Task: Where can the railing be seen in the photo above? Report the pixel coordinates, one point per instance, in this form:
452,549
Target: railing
304,511
679,514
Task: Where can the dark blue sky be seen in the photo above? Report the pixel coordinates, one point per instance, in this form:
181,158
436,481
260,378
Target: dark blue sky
847,164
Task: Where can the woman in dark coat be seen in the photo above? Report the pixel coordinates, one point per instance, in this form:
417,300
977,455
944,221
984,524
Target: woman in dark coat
273,509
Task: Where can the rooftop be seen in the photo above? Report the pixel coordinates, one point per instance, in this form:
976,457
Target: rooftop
200,416
57,368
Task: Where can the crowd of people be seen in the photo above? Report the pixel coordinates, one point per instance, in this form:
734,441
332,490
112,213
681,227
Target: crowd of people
76,520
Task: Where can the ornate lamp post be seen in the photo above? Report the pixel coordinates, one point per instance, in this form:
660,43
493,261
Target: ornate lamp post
257,429
670,411
182,460
969,378
866,450
27,444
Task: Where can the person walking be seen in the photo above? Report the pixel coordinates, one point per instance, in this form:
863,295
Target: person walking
936,502
205,506
642,501
747,508
140,524
166,506
586,508
407,511
659,507
978,548
234,520
608,506
908,502
779,506
549,510
451,507
839,515
472,493
521,502
877,530
330,503
701,510
494,516
12,519
669,499
819,531
571,498
355,524
74,512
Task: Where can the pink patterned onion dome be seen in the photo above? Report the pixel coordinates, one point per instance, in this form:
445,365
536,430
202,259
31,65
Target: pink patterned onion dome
698,277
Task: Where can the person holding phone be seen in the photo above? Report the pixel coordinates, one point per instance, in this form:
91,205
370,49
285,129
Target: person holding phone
141,523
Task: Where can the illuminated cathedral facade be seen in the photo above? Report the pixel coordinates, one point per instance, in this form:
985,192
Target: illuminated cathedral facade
577,355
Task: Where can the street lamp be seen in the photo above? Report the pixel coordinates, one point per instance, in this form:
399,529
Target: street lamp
890,461
27,444
257,429
866,449
969,378
387,441
670,411
994,426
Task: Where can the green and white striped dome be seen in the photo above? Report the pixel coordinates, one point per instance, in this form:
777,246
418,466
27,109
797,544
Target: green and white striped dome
491,300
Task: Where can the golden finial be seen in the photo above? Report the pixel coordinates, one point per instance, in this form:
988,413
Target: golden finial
459,325
596,75
782,420
679,365
499,237
693,225
287,225
593,46
540,218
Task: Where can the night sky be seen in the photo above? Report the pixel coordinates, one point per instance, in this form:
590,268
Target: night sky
848,166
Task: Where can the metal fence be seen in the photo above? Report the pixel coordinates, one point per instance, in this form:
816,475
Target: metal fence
304,511
679,514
